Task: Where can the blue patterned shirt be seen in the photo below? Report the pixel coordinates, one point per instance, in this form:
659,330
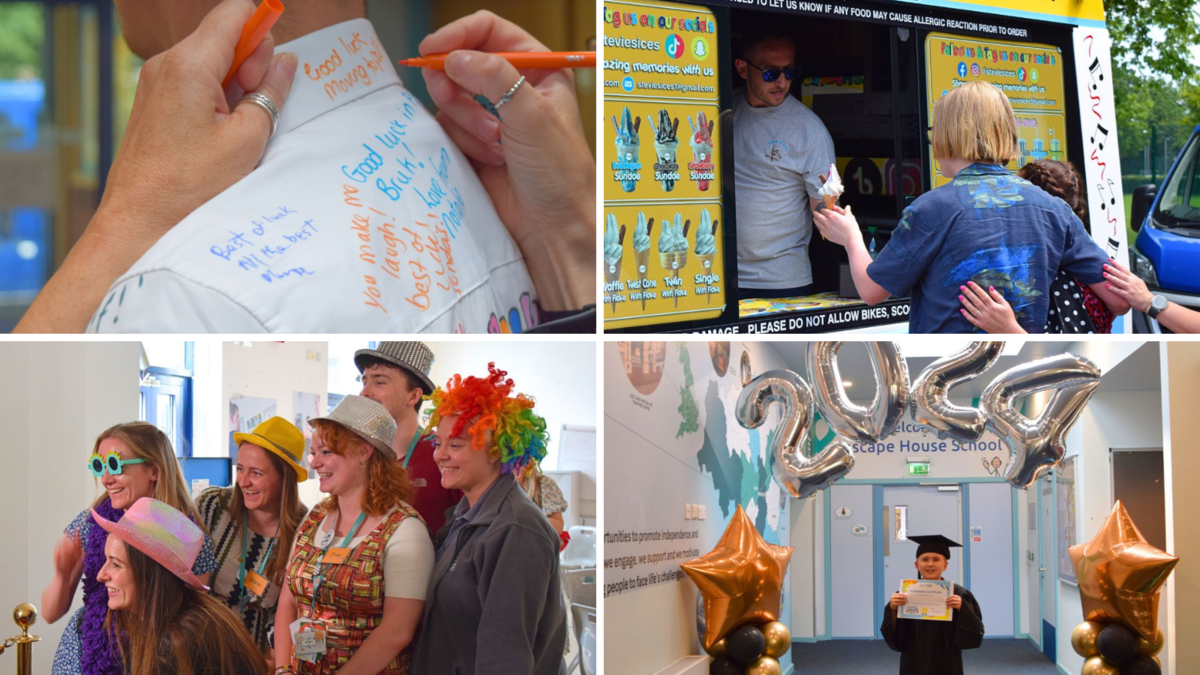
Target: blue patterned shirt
990,227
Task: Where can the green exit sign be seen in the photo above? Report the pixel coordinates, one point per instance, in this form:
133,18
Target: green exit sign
918,469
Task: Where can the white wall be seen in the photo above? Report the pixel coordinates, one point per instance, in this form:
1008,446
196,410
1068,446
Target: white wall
57,397
652,469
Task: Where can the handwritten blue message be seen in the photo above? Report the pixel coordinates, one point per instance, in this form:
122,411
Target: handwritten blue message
261,247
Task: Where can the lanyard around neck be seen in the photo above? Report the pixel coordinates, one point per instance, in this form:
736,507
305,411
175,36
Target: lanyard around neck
319,571
262,564
411,447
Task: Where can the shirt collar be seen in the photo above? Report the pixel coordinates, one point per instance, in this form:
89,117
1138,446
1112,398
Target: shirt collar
470,514
982,169
337,64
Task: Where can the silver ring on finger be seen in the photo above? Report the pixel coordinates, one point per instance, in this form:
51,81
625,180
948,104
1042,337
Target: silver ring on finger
265,103
509,94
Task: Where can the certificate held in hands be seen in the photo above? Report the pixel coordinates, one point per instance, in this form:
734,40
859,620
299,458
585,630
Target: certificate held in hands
926,600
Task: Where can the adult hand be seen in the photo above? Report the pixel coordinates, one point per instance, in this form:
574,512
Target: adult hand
954,602
1128,286
988,311
898,599
67,554
183,145
535,163
837,225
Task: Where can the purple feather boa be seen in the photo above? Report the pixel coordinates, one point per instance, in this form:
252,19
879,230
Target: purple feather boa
99,656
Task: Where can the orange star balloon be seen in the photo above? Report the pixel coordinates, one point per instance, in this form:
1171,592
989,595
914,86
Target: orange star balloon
1120,574
741,579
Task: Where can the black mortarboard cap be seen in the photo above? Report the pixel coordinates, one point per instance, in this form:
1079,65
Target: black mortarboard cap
933,543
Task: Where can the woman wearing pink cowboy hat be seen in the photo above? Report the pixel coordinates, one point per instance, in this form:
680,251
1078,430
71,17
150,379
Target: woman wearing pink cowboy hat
165,619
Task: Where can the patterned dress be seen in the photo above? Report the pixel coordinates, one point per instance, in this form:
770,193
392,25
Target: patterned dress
70,647
257,616
349,603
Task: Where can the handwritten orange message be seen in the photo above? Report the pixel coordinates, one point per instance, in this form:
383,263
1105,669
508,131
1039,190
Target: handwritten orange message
356,62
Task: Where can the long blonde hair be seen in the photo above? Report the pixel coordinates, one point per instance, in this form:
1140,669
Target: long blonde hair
291,512
148,442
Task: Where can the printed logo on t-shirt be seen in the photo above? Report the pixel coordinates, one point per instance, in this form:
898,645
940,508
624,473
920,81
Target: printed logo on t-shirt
775,151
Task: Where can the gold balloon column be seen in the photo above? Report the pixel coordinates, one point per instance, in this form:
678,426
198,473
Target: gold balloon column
741,581
1120,577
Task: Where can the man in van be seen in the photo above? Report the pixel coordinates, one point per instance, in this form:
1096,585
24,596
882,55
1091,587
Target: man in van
781,149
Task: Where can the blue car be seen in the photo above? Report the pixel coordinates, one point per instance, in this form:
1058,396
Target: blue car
1166,253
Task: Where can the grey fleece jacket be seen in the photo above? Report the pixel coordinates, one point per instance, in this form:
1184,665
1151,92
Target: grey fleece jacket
494,605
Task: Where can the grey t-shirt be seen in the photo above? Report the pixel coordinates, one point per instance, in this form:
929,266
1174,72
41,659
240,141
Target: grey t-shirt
778,154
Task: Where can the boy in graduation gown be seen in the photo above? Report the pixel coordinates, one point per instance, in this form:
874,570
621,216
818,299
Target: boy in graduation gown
934,647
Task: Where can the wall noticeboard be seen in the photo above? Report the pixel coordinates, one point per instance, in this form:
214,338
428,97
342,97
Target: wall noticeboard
663,257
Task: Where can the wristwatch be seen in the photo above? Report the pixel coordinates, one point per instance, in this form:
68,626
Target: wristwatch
1157,304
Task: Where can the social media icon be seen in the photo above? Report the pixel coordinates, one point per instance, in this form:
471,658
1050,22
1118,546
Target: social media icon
627,84
1021,74
962,69
673,46
975,70
700,49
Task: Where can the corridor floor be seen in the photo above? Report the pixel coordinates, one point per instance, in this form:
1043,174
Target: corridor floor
872,657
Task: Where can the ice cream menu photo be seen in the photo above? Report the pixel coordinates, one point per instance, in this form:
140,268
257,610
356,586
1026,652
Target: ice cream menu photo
662,188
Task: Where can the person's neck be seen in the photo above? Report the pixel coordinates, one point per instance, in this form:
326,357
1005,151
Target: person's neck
473,494
349,508
406,428
263,521
312,16
952,167
753,100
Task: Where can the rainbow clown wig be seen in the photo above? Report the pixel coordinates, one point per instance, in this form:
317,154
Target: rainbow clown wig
488,405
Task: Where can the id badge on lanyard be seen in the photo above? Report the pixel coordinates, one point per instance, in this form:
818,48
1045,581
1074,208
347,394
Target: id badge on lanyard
308,640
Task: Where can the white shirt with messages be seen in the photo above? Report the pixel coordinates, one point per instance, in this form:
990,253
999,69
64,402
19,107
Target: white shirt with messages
362,217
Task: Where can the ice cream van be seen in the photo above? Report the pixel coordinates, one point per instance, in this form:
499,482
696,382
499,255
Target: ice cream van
871,71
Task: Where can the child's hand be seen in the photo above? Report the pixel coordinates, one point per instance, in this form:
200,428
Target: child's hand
954,601
899,599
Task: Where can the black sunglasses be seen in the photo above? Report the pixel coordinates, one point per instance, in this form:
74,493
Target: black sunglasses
773,73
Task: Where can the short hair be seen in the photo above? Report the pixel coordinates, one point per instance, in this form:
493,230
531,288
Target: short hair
975,122
413,382
752,42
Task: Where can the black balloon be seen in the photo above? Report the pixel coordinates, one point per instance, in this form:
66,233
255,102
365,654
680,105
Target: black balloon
744,645
1143,666
725,666
1117,644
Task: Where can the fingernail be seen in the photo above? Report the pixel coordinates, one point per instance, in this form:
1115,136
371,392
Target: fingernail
991,288
286,64
961,298
1108,285
459,61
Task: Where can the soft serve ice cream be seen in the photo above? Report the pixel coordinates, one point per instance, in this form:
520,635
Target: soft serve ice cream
832,189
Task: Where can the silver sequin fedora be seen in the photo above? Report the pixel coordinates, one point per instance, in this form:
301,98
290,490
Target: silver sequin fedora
366,418
414,357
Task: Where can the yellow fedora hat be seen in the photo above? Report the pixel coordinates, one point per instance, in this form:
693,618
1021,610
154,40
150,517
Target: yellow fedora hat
281,437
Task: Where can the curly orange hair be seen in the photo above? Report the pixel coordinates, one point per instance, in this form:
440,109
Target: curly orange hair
388,483
517,435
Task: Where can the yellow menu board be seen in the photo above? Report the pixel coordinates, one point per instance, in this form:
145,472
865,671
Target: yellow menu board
671,157
667,263
1030,74
663,257
660,50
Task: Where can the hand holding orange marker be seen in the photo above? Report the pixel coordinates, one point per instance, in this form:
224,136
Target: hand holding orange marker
547,60
255,30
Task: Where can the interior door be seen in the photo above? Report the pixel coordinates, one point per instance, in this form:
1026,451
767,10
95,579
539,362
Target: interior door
1047,561
1033,562
919,510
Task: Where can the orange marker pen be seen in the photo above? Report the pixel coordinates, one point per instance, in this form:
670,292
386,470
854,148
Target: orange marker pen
549,60
255,30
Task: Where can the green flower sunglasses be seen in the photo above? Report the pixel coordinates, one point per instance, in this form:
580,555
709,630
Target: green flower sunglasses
113,463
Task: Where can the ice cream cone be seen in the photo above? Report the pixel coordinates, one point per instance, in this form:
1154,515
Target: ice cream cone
706,266
612,272
830,201
642,261
667,154
680,260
